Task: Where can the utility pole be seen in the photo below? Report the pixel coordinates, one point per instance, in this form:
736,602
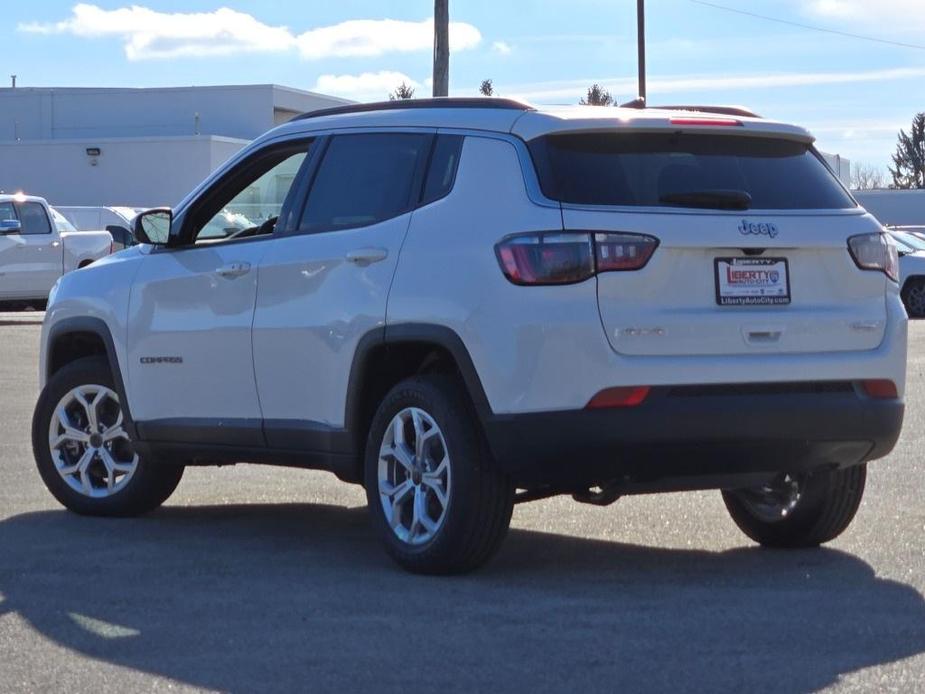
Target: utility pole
441,47
641,46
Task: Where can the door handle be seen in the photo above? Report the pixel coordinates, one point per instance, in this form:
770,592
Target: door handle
233,270
366,256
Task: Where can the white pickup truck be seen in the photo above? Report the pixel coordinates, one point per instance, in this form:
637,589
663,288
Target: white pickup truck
38,245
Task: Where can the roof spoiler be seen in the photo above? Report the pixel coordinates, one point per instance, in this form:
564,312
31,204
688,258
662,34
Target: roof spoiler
720,110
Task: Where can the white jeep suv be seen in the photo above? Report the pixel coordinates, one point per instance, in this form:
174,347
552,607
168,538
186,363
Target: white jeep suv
466,303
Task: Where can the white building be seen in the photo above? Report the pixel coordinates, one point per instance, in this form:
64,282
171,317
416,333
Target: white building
840,165
133,147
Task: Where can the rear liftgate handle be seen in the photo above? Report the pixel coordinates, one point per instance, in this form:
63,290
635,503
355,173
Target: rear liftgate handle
763,335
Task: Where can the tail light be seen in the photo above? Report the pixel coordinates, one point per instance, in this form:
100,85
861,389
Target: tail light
875,252
544,258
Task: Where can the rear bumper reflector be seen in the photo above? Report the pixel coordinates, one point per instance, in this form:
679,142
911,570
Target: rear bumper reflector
623,396
880,388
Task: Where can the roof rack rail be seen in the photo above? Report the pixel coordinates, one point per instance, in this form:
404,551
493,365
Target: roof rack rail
436,102
721,110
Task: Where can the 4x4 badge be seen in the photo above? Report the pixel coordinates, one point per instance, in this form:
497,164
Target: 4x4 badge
757,228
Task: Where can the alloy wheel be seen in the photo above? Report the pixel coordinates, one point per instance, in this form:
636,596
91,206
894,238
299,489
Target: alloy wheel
89,446
774,501
915,300
414,476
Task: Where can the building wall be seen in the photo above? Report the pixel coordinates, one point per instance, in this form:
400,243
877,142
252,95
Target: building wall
142,172
894,207
235,111
157,144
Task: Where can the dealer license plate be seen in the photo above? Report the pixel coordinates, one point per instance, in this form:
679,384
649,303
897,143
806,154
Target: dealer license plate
752,281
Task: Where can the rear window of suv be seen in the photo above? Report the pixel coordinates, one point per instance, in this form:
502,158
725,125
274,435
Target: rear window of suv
656,169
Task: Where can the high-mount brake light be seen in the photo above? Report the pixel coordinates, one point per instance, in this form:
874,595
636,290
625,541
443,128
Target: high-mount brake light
875,252
717,122
567,257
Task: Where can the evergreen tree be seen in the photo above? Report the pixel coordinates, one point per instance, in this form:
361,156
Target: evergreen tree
403,91
909,160
597,96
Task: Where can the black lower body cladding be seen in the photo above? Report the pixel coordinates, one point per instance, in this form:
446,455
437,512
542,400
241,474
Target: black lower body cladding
684,438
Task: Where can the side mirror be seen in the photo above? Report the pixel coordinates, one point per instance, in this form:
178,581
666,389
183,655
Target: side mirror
153,226
10,226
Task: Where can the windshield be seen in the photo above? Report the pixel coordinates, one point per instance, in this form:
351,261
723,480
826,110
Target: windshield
61,222
685,170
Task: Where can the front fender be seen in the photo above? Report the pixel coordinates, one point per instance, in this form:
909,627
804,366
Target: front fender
96,300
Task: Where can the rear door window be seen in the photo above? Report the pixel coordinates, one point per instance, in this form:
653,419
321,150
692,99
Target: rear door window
662,169
33,218
364,179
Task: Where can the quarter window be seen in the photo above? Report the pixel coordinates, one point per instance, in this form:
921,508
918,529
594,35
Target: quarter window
364,179
442,170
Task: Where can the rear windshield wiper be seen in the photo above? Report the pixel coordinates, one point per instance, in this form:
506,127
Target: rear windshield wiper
710,199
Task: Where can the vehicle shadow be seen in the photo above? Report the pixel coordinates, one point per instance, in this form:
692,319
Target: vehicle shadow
295,597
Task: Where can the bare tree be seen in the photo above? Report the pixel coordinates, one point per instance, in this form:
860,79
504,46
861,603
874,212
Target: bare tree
441,47
866,177
403,91
597,96
487,88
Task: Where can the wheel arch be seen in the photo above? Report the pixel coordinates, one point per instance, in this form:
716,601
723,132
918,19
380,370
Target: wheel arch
75,338
386,356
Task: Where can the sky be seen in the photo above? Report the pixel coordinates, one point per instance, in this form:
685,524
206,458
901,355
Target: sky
853,94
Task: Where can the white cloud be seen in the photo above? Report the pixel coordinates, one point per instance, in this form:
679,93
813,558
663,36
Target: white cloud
149,34
501,48
368,86
902,15
374,37
569,91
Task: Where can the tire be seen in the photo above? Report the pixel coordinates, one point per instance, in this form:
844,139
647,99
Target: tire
825,506
114,481
467,529
913,296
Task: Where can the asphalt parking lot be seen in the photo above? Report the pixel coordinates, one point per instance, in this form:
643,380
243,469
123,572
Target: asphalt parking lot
257,578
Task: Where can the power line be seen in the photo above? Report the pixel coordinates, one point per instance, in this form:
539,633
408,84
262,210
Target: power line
811,27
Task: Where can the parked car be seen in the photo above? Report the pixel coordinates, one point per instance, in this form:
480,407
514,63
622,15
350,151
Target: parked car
37,246
116,220
911,249
465,304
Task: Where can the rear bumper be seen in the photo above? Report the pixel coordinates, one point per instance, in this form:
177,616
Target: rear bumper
706,435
